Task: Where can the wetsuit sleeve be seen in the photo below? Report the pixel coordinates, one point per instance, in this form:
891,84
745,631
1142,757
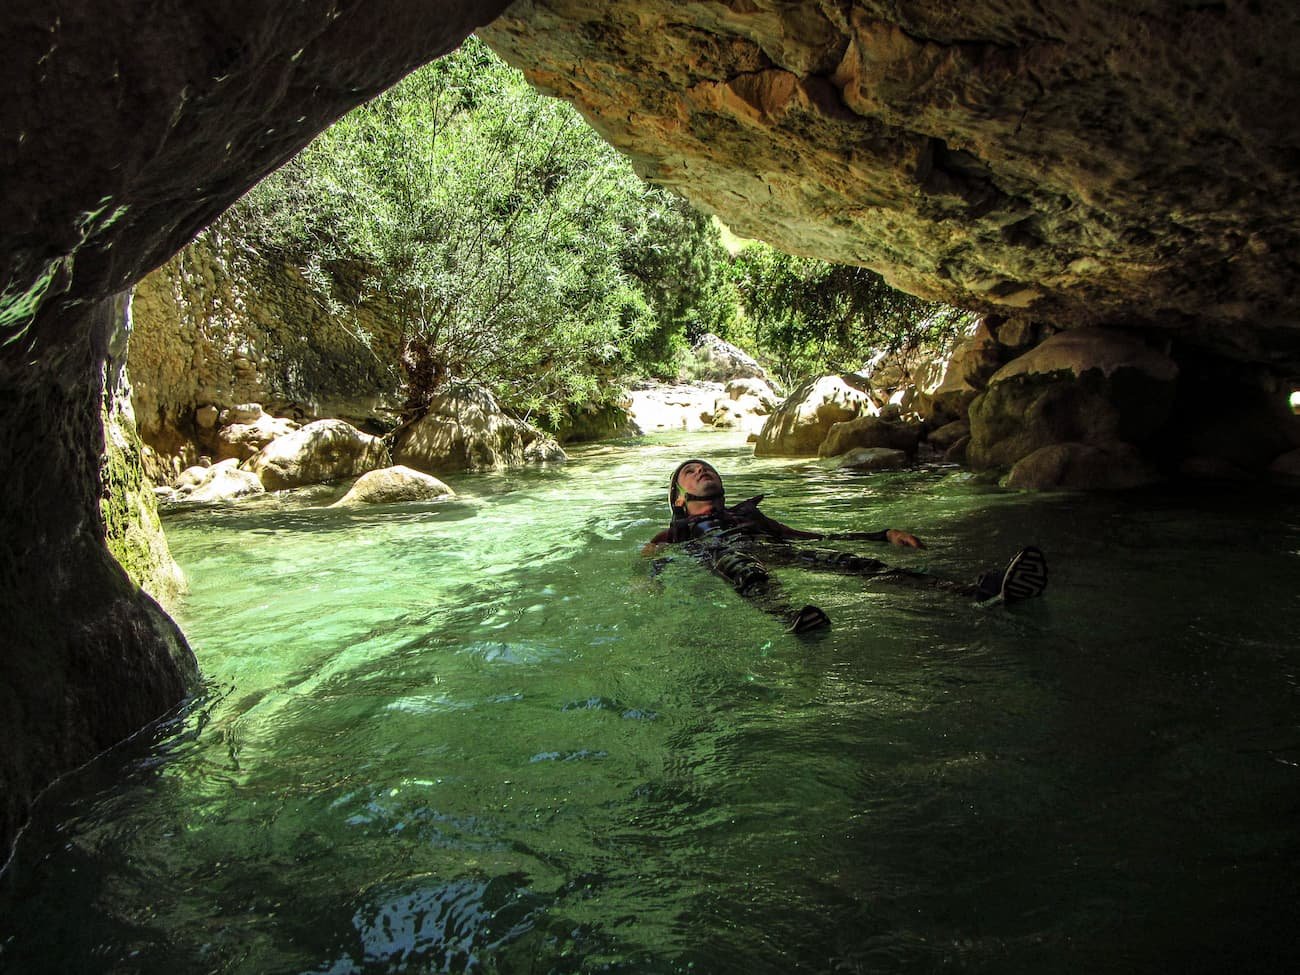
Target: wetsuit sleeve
880,536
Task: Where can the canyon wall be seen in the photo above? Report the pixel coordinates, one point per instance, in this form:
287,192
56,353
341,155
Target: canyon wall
127,128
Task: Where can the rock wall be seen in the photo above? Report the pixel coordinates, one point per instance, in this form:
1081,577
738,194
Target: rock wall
1087,162
222,324
132,528
128,128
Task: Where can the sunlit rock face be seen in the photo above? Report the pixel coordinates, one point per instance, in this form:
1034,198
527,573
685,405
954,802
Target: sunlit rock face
1084,162
125,128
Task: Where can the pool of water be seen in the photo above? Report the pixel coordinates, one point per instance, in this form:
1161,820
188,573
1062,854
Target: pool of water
475,735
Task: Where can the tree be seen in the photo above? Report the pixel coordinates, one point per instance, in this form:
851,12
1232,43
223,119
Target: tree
520,250
810,317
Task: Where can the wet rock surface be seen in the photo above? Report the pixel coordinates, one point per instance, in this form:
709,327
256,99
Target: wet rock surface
127,132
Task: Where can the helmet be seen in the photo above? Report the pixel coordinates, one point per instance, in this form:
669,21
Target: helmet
679,513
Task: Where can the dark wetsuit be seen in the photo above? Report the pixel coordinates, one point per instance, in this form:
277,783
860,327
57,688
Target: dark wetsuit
731,541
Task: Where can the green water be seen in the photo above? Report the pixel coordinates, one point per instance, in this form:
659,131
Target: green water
475,736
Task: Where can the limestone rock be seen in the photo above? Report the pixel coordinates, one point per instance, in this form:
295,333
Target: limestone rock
243,437
871,459
681,406
870,431
191,477
1111,466
224,482
241,413
393,485
761,389
463,430
745,413
544,450
223,324
325,450
948,434
720,361
1094,386
132,528
951,384
956,454
801,423
604,422
1084,163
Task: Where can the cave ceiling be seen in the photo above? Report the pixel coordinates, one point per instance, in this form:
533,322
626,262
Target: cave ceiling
1073,162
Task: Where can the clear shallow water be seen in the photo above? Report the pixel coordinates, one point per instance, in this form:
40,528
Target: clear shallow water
473,736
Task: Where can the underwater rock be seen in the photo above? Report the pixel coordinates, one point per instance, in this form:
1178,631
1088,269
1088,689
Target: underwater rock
1083,466
870,459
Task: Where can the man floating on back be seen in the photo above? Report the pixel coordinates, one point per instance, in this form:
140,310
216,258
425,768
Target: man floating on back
727,540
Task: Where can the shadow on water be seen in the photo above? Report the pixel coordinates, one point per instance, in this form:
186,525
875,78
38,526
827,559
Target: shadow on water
474,735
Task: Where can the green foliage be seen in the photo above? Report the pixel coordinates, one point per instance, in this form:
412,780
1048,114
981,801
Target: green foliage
521,250
811,317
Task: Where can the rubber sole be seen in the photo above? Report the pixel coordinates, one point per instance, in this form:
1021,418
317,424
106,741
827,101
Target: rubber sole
1026,575
808,619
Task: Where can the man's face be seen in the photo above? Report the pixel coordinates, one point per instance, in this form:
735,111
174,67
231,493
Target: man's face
697,478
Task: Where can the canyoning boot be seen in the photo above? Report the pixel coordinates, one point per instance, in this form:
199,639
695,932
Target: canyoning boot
808,619
1024,578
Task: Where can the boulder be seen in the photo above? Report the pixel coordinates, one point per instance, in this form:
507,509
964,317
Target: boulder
192,477
871,459
325,450
590,422
242,435
948,434
463,429
241,413
800,424
392,485
956,454
870,431
224,482
720,361
747,413
947,387
1084,466
760,389
682,406
1093,386
544,450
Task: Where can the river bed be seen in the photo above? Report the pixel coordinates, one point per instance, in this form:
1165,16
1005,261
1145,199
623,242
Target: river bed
476,735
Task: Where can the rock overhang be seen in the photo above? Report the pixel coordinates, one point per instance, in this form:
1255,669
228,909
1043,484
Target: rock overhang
1082,163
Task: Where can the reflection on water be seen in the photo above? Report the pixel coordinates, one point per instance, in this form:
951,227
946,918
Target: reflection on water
475,736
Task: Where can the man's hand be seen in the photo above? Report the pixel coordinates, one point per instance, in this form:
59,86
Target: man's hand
906,539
